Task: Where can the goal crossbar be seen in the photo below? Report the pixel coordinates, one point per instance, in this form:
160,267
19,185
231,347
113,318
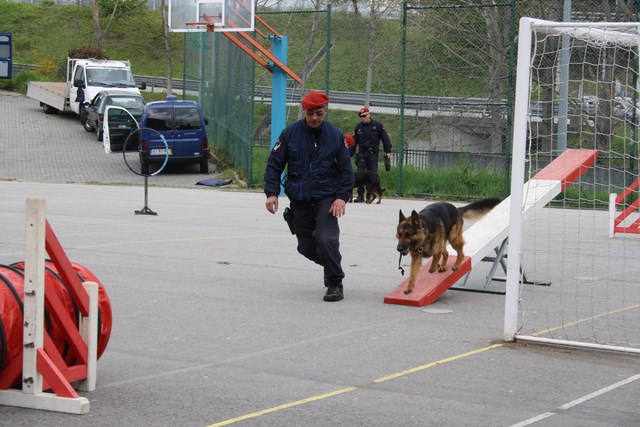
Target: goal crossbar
621,33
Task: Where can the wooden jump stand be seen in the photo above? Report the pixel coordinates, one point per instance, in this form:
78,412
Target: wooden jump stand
42,365
617,221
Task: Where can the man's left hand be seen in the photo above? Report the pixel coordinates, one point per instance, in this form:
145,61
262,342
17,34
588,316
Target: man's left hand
338,208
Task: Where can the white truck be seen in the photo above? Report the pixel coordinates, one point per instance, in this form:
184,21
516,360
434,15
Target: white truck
85,79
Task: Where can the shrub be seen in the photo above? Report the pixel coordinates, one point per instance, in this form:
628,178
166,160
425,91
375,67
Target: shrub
87,52
19,82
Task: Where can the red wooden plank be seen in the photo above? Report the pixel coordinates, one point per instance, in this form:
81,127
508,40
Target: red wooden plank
429,286
52,351
627,191
627,212
568,166
53,377
66,271
627,230
72,374
68,328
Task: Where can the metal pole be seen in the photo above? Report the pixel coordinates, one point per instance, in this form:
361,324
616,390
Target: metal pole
327,62
514,253
512,65
563,105
278,91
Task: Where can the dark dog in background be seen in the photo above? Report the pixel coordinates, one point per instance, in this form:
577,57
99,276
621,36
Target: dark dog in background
371,181
426,234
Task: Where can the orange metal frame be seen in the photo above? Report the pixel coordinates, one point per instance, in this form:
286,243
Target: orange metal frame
253,43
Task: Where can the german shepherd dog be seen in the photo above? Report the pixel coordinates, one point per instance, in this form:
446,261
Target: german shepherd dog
426,234
371,181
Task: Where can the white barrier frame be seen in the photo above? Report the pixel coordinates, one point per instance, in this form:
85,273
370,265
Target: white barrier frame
31,395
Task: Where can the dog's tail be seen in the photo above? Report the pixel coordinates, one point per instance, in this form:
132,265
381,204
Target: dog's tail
479,208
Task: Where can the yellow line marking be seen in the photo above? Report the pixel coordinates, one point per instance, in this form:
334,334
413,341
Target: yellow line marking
436,363
284,406
403,373
350,389
585,319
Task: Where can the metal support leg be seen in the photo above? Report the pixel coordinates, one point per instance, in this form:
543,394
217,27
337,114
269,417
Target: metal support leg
146,210
498,260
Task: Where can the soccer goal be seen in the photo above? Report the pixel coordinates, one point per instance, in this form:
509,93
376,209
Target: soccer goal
576,89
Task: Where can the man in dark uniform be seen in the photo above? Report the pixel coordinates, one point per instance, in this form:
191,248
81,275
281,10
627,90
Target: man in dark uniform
368,134
318,183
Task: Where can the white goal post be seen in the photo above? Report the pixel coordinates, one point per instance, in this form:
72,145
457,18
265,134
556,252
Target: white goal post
576,89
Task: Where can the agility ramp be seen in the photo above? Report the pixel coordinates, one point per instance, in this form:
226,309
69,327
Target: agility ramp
492,229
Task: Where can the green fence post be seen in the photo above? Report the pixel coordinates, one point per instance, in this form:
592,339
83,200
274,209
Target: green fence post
400,189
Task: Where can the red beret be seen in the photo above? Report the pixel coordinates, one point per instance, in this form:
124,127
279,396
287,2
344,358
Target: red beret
349,139
363,111
314,100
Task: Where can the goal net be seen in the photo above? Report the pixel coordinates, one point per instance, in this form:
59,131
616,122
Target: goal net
576,89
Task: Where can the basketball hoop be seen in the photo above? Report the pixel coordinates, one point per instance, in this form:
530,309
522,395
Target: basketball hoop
210,25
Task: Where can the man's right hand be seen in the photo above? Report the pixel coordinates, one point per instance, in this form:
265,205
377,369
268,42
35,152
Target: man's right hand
272,204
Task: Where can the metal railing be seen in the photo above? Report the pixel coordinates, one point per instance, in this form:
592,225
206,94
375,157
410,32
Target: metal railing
414,103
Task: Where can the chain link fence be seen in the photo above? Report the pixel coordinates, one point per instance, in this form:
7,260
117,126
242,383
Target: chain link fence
423,72
438,75
224,76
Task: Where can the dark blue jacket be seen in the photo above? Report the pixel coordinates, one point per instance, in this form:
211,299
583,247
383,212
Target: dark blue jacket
325,172
368,137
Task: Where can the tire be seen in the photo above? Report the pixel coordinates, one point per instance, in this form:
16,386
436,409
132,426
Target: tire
99,133
87,125
204,166
83,114
48,109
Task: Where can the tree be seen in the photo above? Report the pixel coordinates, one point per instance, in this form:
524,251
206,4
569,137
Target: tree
307,67
111,10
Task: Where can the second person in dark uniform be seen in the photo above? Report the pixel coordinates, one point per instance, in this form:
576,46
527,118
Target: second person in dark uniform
368,135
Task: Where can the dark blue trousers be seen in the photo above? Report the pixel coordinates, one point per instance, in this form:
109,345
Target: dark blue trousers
318,236
366,161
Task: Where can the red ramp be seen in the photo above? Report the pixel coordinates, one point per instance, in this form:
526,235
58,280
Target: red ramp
429,286
487,233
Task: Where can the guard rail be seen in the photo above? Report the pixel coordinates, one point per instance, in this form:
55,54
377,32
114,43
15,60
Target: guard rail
478,106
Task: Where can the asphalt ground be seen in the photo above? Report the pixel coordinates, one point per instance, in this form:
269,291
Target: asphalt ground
218,321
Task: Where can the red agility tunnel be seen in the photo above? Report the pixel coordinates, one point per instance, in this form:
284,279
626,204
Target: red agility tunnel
11,311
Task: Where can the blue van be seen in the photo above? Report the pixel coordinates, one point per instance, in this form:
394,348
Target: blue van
183,126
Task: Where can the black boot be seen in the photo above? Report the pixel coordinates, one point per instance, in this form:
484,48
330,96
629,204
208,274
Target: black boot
334,293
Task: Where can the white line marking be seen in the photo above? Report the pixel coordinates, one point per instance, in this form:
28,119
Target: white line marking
534,419
577,401
599,392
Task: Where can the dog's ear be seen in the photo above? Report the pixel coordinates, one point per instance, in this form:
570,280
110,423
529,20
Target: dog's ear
402,217
415,217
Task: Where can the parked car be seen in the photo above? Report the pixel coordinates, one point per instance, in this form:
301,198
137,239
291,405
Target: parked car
94,117
182,124
119,123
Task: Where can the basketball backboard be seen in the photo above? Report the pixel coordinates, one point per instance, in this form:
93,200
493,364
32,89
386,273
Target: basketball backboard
226,15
